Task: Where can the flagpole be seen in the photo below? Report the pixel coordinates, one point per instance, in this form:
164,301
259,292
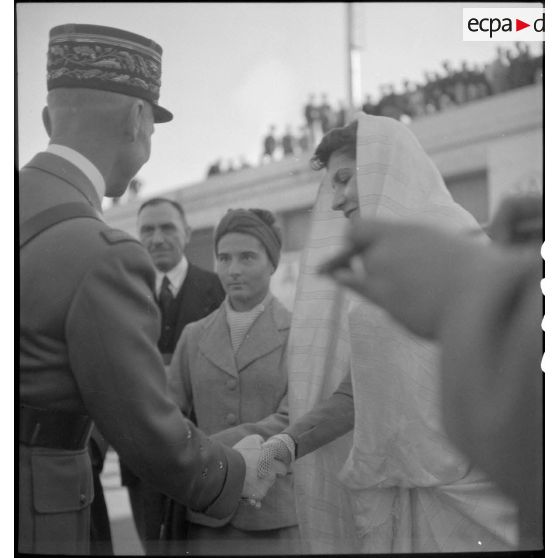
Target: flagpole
355,24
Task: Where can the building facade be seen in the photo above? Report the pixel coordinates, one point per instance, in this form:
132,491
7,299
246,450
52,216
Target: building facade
485,150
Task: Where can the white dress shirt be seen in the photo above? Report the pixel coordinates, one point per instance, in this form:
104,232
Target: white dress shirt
176,277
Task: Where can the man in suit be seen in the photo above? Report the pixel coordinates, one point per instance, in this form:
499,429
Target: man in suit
89,323
164,231
185,293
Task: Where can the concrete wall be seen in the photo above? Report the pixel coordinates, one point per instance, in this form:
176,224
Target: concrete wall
484,150
501,135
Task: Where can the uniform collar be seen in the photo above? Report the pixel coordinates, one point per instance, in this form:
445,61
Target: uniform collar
176,276
83,164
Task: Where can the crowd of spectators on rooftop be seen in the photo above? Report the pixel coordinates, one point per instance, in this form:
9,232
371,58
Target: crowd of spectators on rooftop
224,167
319,119
457,86
440,90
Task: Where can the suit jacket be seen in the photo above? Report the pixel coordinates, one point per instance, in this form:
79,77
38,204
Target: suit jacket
200,294
237,395
88,331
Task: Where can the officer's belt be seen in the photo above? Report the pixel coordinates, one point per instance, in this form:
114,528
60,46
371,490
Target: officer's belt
53,429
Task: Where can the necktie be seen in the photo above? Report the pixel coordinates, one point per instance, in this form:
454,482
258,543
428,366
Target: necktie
165,297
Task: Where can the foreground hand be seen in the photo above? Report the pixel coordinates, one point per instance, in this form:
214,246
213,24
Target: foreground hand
255,488
412,271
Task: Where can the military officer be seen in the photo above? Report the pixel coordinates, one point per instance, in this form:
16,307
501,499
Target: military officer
89,323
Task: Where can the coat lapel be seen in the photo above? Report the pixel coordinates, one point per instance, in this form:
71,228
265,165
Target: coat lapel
194,296
189,297
215,343
69,173
267,333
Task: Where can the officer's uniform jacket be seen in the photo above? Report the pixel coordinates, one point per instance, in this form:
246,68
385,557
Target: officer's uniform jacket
89,326
234,395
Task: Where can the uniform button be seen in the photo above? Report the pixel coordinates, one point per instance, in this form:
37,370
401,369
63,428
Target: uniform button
82,498
231,384
221,466
231,418
188,433
204,473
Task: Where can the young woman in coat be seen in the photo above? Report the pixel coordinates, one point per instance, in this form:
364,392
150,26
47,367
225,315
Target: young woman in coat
228,373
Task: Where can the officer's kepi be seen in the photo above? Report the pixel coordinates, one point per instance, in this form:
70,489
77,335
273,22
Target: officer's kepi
106,58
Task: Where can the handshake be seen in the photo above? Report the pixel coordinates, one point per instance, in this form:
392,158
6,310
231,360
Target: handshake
264,462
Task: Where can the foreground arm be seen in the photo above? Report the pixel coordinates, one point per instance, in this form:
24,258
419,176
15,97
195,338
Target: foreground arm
484,305
112,328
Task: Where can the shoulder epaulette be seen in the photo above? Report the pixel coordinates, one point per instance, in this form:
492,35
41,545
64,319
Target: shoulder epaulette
115,236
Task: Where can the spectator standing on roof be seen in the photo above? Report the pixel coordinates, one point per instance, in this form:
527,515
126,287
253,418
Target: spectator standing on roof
312,117
326,114
497,72
269,145
287,143
369,107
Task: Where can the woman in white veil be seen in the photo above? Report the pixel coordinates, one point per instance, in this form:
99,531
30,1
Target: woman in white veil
396,483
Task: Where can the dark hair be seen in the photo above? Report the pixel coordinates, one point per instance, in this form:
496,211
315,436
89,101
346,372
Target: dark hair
339,139
159,201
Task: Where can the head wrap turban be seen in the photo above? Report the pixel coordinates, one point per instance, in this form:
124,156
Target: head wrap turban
255,222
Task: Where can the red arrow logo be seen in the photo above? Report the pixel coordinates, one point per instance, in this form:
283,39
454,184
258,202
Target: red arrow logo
519,25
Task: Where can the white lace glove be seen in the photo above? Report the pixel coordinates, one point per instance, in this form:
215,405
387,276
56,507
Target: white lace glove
280,447
255,487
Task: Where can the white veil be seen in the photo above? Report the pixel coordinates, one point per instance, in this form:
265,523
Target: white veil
333,331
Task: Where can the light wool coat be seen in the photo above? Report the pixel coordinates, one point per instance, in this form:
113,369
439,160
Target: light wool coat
234,395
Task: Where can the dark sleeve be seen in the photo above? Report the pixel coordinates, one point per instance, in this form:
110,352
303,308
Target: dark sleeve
112,328
492,383
328,420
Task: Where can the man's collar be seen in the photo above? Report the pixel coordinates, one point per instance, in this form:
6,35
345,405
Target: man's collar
83,164
176,276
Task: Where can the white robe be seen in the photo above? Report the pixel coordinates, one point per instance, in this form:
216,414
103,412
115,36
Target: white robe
396,484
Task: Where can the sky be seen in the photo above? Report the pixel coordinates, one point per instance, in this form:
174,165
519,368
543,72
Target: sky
230,70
